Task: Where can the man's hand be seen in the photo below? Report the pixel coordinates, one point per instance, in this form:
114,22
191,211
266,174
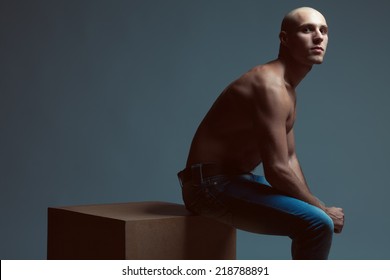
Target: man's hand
337,215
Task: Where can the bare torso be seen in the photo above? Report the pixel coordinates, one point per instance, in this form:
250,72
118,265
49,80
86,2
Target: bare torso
229,134
252,121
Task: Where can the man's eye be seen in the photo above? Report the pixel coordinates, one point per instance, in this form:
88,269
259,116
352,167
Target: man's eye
306,30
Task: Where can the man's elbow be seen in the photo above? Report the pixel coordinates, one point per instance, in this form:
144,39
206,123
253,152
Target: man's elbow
276,174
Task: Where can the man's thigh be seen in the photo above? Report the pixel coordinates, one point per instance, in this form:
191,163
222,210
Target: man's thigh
259,208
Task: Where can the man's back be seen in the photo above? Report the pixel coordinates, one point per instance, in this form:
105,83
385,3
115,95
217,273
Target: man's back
229,134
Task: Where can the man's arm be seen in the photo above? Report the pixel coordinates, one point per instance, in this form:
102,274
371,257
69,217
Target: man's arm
335,213
281,165
293,160
273,108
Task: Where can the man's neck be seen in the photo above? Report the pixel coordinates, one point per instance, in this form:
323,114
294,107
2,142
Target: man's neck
294,72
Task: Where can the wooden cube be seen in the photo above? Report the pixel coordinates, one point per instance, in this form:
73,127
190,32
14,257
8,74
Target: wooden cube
136,230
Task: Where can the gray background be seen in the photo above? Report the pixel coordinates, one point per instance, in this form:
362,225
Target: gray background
99,101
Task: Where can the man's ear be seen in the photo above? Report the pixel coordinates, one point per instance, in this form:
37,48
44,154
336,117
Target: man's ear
283,38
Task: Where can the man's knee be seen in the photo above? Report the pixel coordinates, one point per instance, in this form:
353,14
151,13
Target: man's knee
323,223
315,240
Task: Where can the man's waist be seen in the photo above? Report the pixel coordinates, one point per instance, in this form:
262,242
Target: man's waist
197,173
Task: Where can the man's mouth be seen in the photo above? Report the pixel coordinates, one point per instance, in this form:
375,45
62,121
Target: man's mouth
317,49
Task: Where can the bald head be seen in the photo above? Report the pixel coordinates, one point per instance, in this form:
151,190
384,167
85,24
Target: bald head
303,36
297,16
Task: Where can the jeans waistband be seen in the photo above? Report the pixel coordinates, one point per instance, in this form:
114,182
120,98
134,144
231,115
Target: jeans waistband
197,173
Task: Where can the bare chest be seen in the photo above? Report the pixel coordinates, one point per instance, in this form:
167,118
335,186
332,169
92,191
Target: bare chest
292,111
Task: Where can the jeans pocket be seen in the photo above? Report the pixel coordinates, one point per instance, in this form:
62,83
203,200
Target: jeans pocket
207,200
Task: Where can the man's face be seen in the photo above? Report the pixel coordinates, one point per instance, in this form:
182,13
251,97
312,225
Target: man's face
307,38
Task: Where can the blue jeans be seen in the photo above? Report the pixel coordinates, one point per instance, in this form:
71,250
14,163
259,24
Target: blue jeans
249,203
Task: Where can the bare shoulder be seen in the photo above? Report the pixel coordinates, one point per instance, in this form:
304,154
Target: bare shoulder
263,85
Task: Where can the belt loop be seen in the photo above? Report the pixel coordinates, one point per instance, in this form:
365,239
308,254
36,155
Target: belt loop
197,173
179,177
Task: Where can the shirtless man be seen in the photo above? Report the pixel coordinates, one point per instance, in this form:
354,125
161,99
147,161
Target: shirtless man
251,123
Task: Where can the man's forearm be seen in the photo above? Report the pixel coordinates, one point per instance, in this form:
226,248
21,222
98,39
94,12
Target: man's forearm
292,183
296,167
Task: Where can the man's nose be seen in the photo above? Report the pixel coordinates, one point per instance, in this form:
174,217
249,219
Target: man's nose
318,37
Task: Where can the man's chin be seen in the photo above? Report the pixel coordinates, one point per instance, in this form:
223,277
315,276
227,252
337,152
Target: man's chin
312,62
317,60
